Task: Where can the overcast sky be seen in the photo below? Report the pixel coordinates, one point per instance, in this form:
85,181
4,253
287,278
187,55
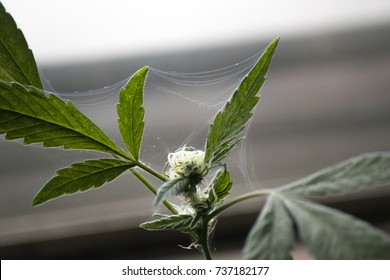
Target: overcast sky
69,30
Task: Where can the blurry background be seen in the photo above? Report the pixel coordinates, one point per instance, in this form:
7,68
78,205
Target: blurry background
327,98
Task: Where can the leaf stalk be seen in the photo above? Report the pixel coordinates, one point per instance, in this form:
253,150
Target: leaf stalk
237,200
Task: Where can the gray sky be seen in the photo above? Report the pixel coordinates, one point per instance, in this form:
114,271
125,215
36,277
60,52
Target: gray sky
69,30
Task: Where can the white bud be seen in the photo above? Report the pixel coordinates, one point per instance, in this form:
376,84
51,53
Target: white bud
186,161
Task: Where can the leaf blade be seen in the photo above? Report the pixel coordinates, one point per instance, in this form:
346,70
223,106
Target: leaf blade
226,129
131,112
28,113
81,176
220,187
171,188
271,237
330,234
17,61
180,222
363,171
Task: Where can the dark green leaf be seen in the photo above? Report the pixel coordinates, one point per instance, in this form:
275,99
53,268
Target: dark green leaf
81,177
364,171
171,188
220,187
172,222
131,113
330,234
272,236
226,129
17,62
26,112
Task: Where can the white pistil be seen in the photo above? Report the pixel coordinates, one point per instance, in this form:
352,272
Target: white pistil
186,161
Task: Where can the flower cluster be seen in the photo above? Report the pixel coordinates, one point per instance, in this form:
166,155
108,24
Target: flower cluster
185,162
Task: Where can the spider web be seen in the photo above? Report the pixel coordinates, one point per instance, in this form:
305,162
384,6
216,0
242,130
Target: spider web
179,108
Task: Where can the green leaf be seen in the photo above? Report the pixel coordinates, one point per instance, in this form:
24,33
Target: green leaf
172,222
131,113
364,171
26,112
17,62
171,188
220,187
81,177
226,129
272,236
330,234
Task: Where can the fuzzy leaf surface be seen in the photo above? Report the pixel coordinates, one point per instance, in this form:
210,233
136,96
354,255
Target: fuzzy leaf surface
81,177
28,113
171,188
220,187
170,222
17,61
364,171
330,234
131,112
226,129
272,235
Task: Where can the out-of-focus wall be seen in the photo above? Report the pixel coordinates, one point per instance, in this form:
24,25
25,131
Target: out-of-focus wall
327,98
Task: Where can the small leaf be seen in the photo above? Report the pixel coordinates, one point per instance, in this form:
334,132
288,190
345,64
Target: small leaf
364,171
171,188
330,234
272,236
26,112
81,177
220,187
173,222
225,131
17,62
131,113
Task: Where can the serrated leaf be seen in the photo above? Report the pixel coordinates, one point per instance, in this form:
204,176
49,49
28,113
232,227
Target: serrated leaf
171,188
220,187
364,171
272,235
330,234
26,112
226,129
131,112
17,62
173,222
81,177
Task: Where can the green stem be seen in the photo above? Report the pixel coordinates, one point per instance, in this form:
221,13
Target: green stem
235,201
151,171
204,240
206,251
151,188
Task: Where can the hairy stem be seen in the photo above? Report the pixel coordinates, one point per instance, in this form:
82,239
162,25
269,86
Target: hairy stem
237,200
151,188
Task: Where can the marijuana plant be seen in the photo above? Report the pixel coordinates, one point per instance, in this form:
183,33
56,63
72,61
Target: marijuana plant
30,113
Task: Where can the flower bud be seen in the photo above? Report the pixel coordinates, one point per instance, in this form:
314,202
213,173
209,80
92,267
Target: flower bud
185,162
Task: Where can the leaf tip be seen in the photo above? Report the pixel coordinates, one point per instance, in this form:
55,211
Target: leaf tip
273,44
36,201
144,69
158,200
275,41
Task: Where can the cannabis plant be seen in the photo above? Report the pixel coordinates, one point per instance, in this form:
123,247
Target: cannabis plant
30,113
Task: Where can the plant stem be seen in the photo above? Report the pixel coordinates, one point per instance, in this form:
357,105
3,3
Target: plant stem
150,187
206,251
151,171
237,200
204,240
